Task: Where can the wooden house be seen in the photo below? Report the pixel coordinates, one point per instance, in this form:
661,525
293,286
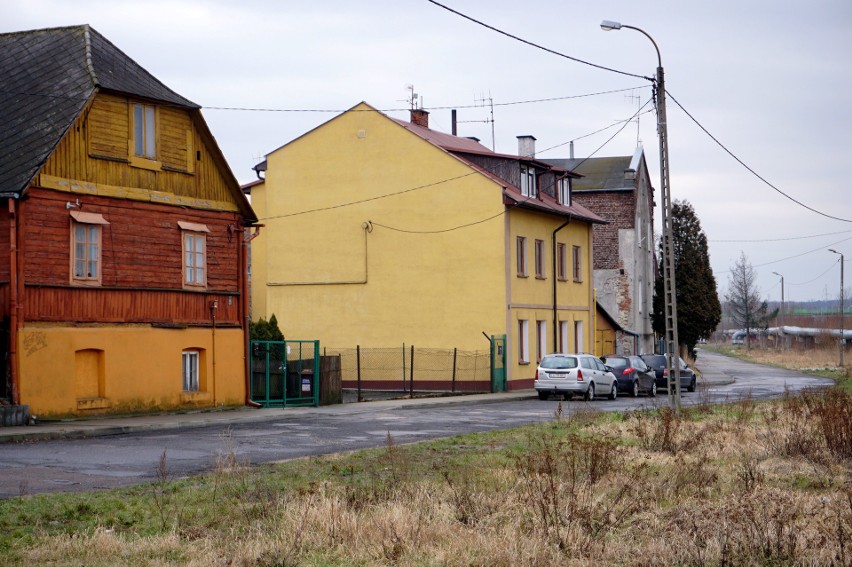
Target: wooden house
122,236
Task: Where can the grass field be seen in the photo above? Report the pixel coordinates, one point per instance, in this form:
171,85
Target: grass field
748,483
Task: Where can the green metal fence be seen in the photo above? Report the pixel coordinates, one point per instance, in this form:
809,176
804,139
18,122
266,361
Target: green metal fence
285,373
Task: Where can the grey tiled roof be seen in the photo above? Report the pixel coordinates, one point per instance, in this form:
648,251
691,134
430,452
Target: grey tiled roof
46,77
599,174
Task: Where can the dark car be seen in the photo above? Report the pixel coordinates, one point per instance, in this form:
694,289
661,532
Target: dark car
633,375
658,363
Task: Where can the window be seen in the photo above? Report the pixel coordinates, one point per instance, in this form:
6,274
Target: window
541,339
86,247
539,259
523,341
528,181
578,336
190,370
522,256
194,254
563,186
563,336
144,131
578,274
561,262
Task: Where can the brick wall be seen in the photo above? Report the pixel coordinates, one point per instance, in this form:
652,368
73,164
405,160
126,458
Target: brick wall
617,208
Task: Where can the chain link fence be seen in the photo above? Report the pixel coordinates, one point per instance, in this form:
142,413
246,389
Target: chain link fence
382,373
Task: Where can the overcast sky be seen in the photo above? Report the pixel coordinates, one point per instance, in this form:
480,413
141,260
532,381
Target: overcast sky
771,80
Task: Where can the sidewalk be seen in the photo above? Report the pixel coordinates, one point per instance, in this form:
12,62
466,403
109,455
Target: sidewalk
100,426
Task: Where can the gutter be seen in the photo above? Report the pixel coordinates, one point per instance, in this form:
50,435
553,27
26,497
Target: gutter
14,321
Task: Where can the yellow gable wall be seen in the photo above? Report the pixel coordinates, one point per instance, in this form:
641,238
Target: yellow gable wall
532,297
328,277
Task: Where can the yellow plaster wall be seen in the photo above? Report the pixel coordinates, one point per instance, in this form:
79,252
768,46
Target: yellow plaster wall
532,298
142,368
376,286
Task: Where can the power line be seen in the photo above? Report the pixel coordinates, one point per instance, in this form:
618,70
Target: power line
816,278
537,46
792,257
753,172
427,185
784,239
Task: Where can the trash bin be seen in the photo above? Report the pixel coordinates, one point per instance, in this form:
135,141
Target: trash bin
307,383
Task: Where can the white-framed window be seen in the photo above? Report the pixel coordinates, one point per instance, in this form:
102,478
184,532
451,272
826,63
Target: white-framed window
190,370
528,181
521,256
523,341
145,131
563,186
539,259
563,336
577,264
578,336
194,248
540,339
86,230
561,262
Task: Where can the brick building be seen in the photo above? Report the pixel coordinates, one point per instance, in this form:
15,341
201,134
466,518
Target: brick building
619,190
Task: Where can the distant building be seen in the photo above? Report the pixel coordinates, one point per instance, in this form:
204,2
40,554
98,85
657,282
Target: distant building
619,190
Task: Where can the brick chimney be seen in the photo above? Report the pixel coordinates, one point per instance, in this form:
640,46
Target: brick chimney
420,117
526,146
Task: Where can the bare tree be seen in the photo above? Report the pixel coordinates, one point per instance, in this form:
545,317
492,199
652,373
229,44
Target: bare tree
746,308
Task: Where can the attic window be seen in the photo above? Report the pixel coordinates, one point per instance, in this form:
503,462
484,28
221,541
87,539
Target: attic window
144,131
564,191
528,181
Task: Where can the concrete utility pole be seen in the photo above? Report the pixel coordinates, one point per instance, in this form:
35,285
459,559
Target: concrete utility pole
669,286
781,318
842,338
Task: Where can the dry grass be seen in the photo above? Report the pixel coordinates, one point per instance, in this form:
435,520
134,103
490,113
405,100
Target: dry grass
749,484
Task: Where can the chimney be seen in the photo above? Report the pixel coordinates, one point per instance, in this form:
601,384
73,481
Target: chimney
571,150
526,146
420,117
454,121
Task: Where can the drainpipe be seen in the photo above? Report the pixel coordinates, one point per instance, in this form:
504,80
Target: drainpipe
214,305
555,278
244,292
13,301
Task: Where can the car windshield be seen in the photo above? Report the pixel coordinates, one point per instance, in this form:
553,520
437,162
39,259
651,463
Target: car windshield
654,359
616,361
559,362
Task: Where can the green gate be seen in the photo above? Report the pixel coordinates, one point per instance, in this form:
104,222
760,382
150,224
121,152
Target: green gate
285,373
498,363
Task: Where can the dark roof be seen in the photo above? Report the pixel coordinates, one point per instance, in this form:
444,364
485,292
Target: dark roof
599,174
458,147
46,78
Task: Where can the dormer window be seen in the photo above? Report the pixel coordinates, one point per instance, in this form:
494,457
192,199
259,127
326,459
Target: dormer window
563,187
528,181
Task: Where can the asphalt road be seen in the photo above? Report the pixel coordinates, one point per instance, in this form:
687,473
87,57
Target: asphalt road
75,465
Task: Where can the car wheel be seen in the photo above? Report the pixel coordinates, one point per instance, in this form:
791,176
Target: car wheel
613,393
590,393
542,395
653,392
691,386
635,391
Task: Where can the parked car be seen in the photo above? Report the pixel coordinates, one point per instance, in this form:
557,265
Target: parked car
658,363
569,374
632,374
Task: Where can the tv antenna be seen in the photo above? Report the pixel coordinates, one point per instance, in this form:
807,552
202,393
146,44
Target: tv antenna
481,102
638,99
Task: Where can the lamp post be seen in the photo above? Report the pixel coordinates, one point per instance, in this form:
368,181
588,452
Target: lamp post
842,338
669,287
781,318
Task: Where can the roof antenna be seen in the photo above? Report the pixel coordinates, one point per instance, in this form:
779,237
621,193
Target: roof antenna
638,99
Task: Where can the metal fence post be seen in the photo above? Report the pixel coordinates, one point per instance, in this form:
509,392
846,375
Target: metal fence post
455,357
358,364
411,381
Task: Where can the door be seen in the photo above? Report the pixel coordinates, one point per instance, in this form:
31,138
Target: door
498,363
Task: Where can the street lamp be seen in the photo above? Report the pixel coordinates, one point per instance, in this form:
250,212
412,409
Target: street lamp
781,318
669,287
842,338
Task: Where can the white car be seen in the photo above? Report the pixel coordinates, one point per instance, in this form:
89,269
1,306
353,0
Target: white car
569,374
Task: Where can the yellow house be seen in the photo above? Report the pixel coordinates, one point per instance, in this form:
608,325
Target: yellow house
381,232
